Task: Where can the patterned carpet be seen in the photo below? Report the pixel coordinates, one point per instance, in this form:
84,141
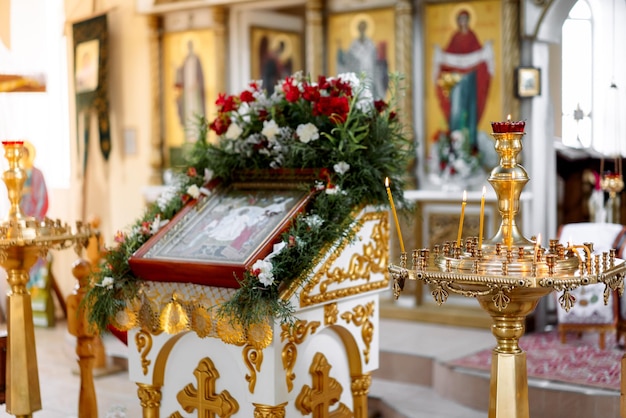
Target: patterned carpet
579,361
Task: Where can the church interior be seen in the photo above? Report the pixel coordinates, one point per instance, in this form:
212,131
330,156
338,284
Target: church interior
508,122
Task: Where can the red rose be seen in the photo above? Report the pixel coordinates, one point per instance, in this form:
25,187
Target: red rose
310,93
380,105
220,124
292,93
336,108
246,96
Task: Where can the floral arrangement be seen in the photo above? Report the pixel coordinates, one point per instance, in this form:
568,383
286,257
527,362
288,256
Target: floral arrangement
332,126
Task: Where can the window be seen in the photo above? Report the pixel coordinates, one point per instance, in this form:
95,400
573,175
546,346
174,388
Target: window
577,82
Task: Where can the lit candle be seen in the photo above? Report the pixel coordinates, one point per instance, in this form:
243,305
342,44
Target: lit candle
482,219
395,215
458,237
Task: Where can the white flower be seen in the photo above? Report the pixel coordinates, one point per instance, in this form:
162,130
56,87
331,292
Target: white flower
341,167
208,175
157,224
233,131
350,78
193,191
314,221
108,282
263,270
277,248
333,190
307,132
270,129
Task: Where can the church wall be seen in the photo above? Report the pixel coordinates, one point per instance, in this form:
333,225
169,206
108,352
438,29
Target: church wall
113,189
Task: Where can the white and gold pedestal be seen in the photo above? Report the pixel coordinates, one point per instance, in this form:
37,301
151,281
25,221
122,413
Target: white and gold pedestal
321,367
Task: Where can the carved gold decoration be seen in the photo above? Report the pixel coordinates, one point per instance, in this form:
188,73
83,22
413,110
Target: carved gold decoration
143,341
150,399
373,259
201,321
230,331
260,335
267,411
360,388
253,359
330,314
173,318
294,335
324,393
204,399
361,318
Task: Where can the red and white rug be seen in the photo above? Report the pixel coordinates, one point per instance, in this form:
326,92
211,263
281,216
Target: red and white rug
579,361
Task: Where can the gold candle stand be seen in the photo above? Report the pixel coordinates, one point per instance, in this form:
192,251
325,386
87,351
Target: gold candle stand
22,241
508,283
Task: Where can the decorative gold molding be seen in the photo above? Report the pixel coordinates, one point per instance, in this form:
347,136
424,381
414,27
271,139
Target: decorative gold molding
361,318
149,399
253,359
331,313
360,388
294,335
374,258
143,341
324,393
267,411
510,53
204,398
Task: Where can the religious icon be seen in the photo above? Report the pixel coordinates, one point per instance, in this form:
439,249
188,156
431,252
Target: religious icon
189,84
87,60
275,55
369,50
461,64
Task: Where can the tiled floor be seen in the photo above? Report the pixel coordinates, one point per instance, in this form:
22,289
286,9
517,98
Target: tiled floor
117,398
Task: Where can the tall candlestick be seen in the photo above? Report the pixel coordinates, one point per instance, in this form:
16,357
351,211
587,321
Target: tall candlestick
482,219
395,215
458,237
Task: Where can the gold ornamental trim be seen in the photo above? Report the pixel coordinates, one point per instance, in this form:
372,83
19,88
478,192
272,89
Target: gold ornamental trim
361,385
267,411
294,335
203,398
253,359
324,393
149,397
374,259
360,317
331,313
143,341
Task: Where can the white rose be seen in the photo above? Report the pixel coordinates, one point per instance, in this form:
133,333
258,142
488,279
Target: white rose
270,129
233,131
341,167
193,191
263,270
307,132
108,282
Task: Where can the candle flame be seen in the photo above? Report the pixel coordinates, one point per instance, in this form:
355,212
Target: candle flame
538,241
508,118
464,195
386,181
484,190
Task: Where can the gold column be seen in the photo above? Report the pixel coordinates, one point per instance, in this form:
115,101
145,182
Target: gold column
314,38
267,411
156,149
150,399
219,19
360,388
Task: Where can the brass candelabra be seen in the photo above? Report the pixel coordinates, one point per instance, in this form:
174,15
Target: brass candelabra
23,240
508,274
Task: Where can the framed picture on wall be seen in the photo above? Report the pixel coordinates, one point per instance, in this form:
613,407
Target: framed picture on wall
528,82
363,42
87,60
274,55
215,239
189,83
